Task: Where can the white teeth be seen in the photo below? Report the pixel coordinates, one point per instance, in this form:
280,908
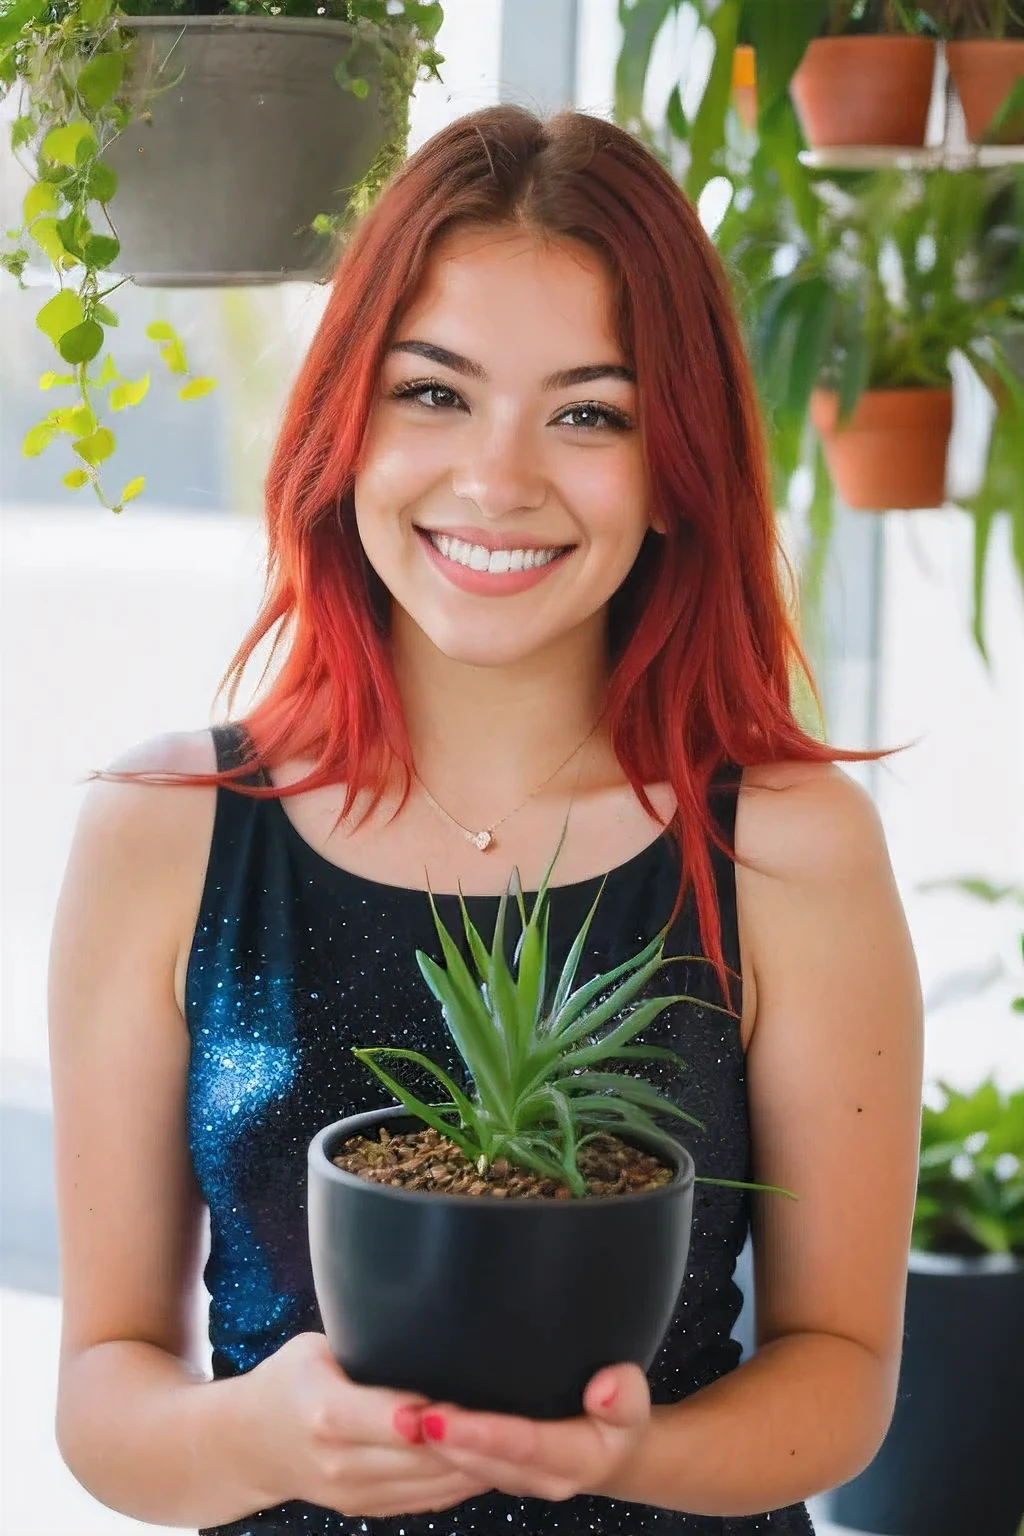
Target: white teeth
477,558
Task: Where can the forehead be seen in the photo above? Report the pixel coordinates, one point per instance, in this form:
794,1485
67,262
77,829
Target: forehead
494,289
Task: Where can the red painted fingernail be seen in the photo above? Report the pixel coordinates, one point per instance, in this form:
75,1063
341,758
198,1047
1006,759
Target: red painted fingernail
433,1426
406,1421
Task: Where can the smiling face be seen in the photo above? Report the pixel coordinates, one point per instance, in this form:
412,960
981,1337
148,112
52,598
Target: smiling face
500,490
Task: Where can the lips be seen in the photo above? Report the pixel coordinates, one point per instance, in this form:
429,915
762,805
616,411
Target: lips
493,568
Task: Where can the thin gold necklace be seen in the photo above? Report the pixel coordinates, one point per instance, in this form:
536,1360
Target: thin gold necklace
484,838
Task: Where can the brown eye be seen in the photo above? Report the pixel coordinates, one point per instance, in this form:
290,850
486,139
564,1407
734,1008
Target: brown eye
434,397
591,417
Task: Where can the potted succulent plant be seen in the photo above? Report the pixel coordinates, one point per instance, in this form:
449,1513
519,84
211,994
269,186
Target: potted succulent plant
498,1247
950,1462
985,53
869,78
190,142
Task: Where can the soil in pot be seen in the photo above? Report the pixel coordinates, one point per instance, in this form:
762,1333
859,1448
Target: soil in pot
864,90
984,73
891,453
427,1161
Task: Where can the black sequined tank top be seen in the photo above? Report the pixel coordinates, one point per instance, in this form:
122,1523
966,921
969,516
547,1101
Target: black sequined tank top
295,960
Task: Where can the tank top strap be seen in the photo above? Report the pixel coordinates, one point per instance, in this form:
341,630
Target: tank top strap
233,748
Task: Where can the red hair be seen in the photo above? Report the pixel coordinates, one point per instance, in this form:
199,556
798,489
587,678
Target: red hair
703,649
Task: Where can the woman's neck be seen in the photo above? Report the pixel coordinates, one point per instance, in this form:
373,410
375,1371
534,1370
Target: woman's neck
487,737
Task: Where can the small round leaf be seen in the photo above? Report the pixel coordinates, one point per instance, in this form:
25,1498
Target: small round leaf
99,445
100,80
81,344
44,233
196,389
159,330
40,198
36,439
173,354
76,478
105,315
100,250
70,145
102,183
133,488
60,314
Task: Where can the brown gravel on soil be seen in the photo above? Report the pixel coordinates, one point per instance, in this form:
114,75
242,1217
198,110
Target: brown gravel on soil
428,1161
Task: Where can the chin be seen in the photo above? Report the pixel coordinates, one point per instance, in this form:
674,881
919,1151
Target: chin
499,646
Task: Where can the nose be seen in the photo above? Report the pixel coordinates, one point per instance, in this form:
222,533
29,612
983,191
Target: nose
499,472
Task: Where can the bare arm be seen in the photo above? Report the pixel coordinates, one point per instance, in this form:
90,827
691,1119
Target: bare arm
137,1423
834,1080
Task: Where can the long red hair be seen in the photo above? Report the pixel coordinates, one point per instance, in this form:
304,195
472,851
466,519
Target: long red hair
703,649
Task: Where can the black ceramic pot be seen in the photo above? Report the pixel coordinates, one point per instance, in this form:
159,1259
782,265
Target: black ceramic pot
952,1463
502,1306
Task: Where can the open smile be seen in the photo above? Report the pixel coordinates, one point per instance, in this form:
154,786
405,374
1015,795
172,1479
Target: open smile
485,569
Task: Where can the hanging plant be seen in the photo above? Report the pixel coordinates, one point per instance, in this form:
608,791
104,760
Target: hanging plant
76,66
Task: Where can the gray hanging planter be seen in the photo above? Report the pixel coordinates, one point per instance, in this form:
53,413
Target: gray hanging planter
249,138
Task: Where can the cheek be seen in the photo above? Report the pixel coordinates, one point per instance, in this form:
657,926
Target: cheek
610,498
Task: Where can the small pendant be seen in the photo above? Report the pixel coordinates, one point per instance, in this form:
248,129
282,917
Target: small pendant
482,840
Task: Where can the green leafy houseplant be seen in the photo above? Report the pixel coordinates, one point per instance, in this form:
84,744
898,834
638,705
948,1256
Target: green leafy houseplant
970,1197
540,1091
970,1194
70,61
892,274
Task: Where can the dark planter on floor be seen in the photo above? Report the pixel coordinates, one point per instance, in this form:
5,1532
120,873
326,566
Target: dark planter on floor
952,1463
507,1306
219,181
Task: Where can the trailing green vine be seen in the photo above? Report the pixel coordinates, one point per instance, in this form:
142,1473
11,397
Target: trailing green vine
70,60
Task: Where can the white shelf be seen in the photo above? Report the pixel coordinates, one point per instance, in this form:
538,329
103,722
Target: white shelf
873,157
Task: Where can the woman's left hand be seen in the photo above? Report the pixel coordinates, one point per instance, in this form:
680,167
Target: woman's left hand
544,1458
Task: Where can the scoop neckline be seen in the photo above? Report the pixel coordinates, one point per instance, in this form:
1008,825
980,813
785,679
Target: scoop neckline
351,876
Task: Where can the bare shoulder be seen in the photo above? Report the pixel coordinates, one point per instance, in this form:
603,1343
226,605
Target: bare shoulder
139,809
807,822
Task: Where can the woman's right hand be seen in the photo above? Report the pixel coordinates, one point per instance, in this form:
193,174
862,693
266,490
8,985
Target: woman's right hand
322,1438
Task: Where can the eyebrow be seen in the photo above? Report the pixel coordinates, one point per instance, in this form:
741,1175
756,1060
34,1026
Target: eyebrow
566,378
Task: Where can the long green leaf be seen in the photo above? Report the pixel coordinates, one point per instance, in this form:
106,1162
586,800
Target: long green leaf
761,1189
563,1115
469,1024
621,1085
640,25
779,31
585,995
568,976
642,1015
707,132
467,1109
501,992
422,1111
621,998
477,947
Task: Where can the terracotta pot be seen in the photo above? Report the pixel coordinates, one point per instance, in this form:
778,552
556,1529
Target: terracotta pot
864,90
892,451
744,85
984,74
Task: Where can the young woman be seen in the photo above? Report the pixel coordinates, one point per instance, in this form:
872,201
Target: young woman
523,566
